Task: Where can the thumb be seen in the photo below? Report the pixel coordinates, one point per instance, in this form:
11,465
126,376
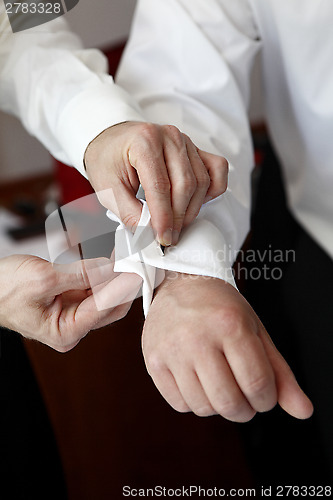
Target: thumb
94,310
122,201
129,207
83,274
291,398
121,290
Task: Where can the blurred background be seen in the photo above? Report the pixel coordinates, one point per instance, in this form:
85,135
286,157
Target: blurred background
100,24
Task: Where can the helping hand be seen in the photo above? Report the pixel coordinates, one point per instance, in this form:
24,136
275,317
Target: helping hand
59,304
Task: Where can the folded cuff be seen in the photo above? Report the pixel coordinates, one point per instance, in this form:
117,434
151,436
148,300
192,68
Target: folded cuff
201,250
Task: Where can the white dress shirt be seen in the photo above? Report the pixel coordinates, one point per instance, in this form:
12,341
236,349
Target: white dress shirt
188,63
64,96
62,93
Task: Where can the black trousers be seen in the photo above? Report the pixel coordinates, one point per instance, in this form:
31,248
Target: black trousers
30,464
296,306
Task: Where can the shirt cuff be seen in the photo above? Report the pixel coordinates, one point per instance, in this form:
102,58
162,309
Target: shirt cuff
201,250
89,114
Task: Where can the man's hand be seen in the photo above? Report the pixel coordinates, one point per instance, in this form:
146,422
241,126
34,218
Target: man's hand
176,176
58,305
212,355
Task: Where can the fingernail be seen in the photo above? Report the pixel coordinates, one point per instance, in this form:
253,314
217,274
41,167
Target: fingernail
175,237
166,238
208,198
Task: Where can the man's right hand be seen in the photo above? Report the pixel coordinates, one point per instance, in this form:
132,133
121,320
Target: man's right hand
176,176
212,355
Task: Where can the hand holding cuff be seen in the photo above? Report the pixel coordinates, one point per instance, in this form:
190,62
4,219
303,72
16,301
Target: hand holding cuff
201,250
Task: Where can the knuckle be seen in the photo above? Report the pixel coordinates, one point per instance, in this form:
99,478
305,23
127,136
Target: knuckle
149,132
203,179
175,135
229,318
178,221
257,386
235,323
154,362
241,415
230,409
146,142
181,407
48,283
130,220
187,184
204,411
161,185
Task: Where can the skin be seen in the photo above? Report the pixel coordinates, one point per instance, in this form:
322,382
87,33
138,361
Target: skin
56,306
212,355
176,176
59,305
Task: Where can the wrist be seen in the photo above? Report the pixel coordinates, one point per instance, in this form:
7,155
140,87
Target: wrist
174,279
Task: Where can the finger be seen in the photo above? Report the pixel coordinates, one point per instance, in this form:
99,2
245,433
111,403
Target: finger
167,386
82,274
222,389
77,312
193,392
182,178
218,169
121,198
95,309
126,206
114,315
122,289
290,396
203,183
148,160
252,370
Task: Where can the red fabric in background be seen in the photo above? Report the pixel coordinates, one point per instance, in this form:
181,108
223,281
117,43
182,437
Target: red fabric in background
72,184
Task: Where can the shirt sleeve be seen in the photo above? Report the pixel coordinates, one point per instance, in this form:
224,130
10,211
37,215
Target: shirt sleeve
189,64
61,92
